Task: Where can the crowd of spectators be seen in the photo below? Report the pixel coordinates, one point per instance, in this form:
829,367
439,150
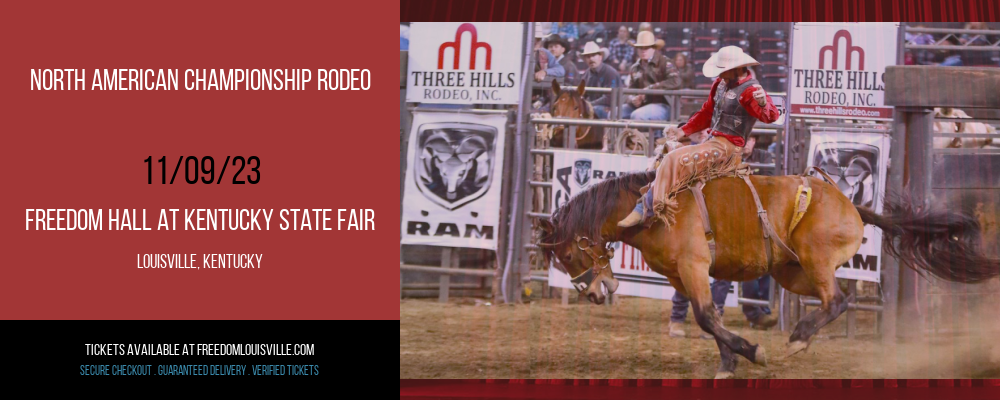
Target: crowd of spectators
585,52
953,57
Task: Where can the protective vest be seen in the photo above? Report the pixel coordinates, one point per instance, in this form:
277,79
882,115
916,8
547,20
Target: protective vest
729,116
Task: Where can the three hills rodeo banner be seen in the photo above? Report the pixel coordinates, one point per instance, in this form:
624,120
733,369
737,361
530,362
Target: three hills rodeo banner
839,69
465,62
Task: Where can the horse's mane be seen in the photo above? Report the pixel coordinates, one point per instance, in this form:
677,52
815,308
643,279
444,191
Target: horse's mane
584,214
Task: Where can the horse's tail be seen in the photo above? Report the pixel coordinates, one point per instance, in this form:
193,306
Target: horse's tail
943,243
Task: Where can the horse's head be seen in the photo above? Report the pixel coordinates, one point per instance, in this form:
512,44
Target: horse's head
587,262
578,234
454,162
569,104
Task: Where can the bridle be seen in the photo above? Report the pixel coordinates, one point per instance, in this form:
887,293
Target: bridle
609,253
587,278
588,113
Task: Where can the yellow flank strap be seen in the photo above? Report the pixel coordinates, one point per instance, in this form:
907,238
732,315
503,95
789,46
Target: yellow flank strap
801,204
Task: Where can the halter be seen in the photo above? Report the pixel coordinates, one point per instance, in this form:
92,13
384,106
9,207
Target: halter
585,279
588,113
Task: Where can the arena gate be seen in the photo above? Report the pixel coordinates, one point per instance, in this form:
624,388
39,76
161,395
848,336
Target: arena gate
963,178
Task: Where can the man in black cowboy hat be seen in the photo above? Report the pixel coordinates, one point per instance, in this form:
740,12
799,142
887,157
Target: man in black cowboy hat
558,47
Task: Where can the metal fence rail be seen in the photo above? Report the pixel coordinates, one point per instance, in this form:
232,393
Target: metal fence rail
572,123
943,44
674,96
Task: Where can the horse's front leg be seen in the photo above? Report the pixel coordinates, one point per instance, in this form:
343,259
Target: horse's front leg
694,277
727,367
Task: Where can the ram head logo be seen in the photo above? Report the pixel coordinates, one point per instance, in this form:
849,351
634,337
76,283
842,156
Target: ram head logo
455,166
853,167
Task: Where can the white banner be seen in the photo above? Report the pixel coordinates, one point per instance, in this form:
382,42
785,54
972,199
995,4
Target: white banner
838,69
779,103
858,162
575,172
465,62
453,177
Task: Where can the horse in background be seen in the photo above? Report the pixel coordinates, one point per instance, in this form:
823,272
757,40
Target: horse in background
571,104
960,127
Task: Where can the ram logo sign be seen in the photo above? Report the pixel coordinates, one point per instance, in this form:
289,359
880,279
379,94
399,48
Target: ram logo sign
456,162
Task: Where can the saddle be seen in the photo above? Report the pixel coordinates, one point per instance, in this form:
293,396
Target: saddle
802,200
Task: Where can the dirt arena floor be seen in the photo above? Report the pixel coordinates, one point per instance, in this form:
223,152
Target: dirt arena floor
543,339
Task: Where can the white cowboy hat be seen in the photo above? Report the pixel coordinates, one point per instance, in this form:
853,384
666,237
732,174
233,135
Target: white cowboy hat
725,59
592,48
646,39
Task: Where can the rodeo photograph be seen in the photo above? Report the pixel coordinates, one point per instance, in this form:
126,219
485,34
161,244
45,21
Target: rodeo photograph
690,199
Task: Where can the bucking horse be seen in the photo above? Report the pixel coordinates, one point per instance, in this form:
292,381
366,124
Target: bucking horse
801,246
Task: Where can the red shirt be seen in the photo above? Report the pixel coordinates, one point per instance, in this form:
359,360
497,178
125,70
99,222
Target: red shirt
703,118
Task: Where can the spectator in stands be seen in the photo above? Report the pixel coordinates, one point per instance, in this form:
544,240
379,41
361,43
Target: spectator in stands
648,27
558,46
599,75
685,69
773,148
919,57
975,39
621,52
545,67
591,31
759,156
952,58
545,62
566,30
919,38
650,72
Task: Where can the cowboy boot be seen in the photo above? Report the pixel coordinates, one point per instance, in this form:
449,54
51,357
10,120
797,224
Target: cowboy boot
633,219
674,330
764,322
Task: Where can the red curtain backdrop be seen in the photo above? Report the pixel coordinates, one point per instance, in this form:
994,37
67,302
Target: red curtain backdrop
700,11
757,383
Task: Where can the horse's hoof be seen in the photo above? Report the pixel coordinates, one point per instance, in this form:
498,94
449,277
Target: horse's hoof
796,347
760,357
723,375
